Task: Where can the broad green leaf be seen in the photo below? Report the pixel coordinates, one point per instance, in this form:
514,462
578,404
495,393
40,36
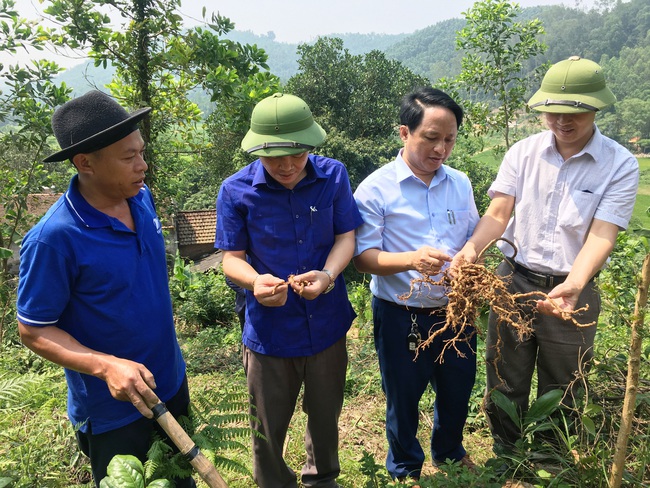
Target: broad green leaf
592,409
505,404
544,406
124,471
589,425
160,484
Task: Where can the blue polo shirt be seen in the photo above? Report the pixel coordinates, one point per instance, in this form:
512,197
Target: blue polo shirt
288,232
107,286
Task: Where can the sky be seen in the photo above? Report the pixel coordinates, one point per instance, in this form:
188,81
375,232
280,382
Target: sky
295,21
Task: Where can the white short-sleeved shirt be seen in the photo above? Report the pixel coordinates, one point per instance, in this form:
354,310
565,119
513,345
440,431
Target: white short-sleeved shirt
556,200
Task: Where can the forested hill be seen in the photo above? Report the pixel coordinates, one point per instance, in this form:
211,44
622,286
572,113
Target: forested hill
618,37
599,36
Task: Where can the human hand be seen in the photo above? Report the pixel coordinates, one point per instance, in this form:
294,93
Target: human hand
129,381
311,284
562,298
270,290
428,260
466,254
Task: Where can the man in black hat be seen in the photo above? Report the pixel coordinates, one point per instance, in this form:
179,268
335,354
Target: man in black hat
93,294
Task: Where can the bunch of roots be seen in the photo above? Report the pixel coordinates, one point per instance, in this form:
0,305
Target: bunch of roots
291,280
471,286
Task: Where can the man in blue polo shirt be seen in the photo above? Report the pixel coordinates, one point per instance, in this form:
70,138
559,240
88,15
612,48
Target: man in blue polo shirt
287,221
93,292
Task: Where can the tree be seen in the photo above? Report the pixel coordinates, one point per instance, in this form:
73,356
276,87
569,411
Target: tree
496,46
158,63
628,74
26,103
327,79
356,99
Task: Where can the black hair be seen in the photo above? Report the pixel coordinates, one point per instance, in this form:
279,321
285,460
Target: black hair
413,105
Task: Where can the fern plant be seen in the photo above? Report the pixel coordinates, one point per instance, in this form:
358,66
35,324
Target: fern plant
222,423
216,425
14,389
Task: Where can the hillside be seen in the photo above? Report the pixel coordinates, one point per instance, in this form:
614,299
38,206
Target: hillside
599,35
282,57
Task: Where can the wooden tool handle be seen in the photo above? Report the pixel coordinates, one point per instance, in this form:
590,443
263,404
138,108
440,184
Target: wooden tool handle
186,446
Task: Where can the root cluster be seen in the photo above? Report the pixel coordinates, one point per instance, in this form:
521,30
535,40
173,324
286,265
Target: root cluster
290,280
471,286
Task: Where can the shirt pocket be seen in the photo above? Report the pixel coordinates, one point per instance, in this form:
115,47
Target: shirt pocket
577,210
322,227
458,231
272,230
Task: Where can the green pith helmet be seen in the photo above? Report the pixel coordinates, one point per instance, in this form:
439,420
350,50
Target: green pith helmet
572,86
282,125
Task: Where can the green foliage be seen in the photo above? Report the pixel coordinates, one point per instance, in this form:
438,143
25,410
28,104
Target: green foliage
221,424
357,94
200,299
430,51
376,475
481,176
17,391
619,280
360,298
496,45
125,471
360,156
163,463
37,445
159,63
356,99
27,101
226,128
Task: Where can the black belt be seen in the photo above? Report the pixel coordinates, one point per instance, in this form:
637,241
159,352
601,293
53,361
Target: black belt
538,279
412,309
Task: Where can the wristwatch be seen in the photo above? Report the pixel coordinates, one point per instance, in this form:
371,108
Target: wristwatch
330,287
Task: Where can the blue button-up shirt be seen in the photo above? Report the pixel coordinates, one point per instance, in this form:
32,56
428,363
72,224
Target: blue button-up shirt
401,213
288,232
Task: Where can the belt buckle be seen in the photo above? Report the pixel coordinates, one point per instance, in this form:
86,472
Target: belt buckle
539,279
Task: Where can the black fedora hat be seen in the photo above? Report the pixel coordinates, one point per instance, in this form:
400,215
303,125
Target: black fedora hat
91,122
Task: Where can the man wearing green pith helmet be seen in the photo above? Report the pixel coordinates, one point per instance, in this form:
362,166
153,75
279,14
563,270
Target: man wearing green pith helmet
286,227
561,197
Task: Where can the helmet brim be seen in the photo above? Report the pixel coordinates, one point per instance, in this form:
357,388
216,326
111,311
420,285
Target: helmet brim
313,136
600,99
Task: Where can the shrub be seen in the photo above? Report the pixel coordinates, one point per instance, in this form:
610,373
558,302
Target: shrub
201,299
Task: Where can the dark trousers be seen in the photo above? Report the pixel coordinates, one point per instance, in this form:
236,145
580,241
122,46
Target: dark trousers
134,439
556,347
274,384
405,380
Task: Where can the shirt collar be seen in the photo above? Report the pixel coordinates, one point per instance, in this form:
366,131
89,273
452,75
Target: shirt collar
595,144
592,148
261,177
403,172
88,215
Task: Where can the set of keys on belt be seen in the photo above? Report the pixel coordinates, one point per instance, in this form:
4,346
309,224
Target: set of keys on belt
414,338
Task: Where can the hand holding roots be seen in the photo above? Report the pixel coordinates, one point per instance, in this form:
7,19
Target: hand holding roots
291,280
472,286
